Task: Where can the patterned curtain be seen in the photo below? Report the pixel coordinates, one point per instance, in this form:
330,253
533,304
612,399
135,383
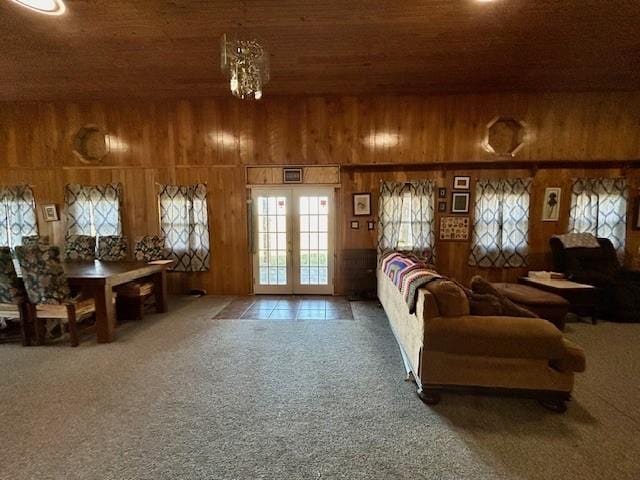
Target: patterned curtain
93,210
184,223
406,216
501,224
17,215
599,207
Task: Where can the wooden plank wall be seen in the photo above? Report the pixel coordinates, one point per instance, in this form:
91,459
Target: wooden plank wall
213,140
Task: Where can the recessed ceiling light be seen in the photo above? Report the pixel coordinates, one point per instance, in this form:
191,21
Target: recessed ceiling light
48,7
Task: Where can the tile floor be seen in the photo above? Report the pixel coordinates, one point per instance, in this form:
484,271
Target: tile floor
267,307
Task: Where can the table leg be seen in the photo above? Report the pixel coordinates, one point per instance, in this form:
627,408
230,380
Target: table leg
160,291
105,314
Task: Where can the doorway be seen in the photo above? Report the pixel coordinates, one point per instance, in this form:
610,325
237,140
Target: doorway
293,240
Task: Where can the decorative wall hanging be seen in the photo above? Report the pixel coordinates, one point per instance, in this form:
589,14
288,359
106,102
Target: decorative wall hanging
90,144
247,63
460,202
50,213
505,136
292,175
551,204
454,228
461,183
361,204
355,225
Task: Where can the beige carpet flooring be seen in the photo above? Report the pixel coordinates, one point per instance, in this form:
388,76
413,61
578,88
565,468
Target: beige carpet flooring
185,396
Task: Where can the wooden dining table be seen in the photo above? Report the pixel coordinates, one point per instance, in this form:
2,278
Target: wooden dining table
99,278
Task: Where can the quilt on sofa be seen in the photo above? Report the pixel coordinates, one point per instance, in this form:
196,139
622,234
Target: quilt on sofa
408,273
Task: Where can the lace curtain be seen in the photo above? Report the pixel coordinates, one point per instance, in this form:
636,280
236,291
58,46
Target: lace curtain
93,210
406,217
501,223
184,223
599,207
17,214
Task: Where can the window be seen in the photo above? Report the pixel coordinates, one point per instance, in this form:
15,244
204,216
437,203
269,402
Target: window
184,223
406,217
599,207
17,215
93,209
501,223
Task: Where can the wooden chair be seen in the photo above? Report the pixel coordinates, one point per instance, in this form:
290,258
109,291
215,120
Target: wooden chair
49,293
13,298
112,248
132,296
80,248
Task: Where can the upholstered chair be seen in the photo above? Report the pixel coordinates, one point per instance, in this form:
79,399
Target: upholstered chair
80,248
33,240
48,291
13,297
150,248
133,295
112,248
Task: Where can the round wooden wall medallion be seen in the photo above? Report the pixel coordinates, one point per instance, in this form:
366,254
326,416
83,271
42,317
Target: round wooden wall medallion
90,144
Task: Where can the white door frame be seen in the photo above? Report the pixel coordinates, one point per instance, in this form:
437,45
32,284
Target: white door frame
293,193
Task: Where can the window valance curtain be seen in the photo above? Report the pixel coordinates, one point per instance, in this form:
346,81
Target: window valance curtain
501,224
184,222
406,217
17,214
599,207
93,210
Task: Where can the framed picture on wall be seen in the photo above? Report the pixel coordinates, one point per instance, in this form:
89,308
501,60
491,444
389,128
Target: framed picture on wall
551,204
442,192
50,213
461,183
355,224
460,202
371,225
454,228
361,204
291,175
442,207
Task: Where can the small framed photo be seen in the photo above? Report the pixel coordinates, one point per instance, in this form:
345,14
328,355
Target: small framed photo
442,192
551,205
50,212
461,183
361,204
442,207
460,202
292,175
355,224
371,225
454,228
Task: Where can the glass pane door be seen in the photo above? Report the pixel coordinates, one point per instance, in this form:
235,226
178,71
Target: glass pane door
272,266
313,252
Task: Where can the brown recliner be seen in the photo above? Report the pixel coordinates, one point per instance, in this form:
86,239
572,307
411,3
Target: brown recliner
620,288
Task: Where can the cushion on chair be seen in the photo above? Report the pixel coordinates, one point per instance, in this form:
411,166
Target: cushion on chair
451,299
80,248
43,274
112,248
11,287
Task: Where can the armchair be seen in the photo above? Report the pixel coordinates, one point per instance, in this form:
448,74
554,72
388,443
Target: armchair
599,266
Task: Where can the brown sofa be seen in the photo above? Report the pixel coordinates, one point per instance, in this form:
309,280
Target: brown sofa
446,348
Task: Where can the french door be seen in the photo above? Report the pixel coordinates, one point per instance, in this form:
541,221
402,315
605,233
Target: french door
293,240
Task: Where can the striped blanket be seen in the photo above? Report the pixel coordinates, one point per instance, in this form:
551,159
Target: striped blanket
408,274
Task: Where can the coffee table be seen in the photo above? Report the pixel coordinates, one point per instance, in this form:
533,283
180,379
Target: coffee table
583,299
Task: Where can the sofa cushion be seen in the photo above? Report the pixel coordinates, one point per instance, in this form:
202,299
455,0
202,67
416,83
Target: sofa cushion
450,298
509,308
506,337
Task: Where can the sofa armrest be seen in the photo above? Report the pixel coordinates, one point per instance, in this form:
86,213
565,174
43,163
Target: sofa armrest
426,307
494,336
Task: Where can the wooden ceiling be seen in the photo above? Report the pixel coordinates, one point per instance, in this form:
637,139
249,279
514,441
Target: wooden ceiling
170,48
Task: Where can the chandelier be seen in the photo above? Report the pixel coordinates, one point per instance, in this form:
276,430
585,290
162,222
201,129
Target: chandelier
247,64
